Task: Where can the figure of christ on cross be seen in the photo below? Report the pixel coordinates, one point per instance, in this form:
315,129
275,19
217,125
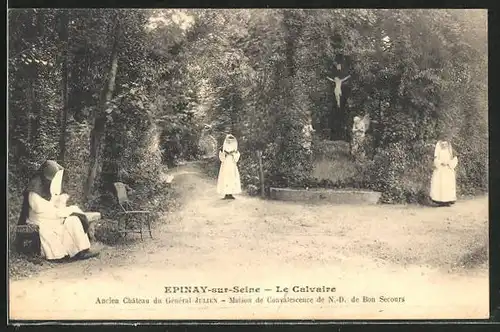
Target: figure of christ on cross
338,87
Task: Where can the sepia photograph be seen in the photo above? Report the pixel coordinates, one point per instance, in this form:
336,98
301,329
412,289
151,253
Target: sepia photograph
247,164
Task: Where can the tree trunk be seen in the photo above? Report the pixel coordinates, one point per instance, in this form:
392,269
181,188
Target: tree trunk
30,109
34,84
64,37
290,36
261,175
97,134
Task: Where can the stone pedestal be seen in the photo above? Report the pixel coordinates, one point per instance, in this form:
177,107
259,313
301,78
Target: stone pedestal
331,196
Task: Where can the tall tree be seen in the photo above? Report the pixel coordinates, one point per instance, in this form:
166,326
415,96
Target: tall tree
99,114
64,37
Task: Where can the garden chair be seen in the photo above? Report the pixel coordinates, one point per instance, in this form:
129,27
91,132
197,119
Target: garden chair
130,220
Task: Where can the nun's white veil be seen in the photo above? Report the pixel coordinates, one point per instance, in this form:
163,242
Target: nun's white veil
230,143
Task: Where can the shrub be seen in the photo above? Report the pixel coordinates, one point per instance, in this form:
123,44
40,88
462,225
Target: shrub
402,173
15,200
472,169
107,231
292,164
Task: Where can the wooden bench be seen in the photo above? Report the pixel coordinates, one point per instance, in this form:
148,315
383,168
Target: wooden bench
28,238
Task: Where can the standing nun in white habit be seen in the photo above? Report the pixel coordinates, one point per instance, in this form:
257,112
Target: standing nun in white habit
443,182
62,229
228,183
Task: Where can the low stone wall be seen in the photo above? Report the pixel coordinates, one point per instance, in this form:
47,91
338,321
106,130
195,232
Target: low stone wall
331,196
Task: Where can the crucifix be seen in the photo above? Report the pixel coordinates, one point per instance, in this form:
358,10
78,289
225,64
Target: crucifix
338,87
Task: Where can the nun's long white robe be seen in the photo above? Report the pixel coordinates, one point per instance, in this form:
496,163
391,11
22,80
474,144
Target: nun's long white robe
228,182
443,182
60,234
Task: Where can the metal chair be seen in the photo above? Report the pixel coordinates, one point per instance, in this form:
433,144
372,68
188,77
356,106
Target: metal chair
130,220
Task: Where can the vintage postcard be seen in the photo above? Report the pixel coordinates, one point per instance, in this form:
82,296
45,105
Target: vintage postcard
247,164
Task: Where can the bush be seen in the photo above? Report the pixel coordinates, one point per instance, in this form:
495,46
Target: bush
332,161
402,173
15,200
249,170
107,231
472,169
292,164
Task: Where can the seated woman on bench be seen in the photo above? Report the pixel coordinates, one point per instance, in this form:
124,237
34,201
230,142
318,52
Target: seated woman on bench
62,228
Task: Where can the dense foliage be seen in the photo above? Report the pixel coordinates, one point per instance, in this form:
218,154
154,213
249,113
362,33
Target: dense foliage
115,94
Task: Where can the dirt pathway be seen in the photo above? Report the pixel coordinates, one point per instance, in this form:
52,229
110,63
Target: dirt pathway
425,255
